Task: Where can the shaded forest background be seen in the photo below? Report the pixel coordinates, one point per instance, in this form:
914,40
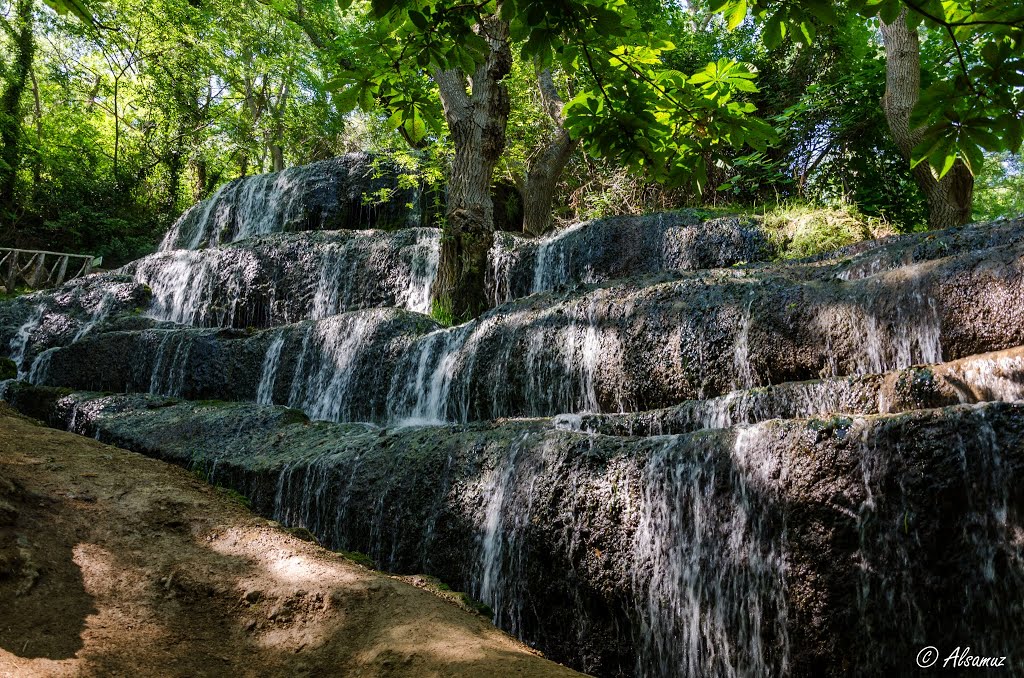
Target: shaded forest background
127,122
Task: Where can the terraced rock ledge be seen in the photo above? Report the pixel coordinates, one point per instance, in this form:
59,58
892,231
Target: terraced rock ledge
664,452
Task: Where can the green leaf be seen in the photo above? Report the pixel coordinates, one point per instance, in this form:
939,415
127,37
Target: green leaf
418,20
808,32
774,31
414,127
973,157
947,164
735,13
381,7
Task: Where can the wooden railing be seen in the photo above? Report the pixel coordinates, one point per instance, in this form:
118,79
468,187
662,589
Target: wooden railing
36,269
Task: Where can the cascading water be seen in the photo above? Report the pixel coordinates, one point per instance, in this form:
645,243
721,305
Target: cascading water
186,285
553,260
20,343
419,394
268,375
711,563
169,372
665,532
292,277
323,382
203,217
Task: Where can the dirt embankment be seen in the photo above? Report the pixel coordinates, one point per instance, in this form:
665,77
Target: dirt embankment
113,564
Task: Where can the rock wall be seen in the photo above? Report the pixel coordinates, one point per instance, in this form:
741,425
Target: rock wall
731,465
622,347
341,193
834,546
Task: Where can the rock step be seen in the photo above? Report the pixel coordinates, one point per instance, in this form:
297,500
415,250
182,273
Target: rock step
327,195
838,546
284,278
990,377
625,347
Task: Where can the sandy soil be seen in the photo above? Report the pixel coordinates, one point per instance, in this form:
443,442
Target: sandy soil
113,564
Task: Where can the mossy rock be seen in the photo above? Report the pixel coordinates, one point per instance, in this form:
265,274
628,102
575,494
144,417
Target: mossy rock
8,369
303,534
358,558
483,609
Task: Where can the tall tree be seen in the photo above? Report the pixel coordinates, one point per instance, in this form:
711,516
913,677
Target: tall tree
16,76
949,197
973,104
653,119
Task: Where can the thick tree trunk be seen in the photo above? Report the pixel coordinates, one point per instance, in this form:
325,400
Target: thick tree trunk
175,166
949,198
546,166
277,157
199,187
476,121
10,103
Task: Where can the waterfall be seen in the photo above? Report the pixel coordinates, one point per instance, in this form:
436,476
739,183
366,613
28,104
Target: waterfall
41,365
291,277
896,523
19,344
888,337
498,578
337,286
98,315
419,394
709,557
268,374
326,195
745,377
990,379
204,217
329,359
426,255
203,288
264,202
554,258
170,366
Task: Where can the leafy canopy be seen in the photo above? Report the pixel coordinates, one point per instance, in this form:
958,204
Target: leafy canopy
974,101
628,105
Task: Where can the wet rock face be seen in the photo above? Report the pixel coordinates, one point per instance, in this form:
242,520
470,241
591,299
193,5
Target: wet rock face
618,247
327,195
32,324
764,468
625,347
285,278
308,370
833,546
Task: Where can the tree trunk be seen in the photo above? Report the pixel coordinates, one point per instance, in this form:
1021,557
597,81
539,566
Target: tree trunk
10,104
949,198
546,166
277,112
476,121
199,187
37,112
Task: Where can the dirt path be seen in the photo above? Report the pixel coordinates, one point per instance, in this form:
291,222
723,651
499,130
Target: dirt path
113,564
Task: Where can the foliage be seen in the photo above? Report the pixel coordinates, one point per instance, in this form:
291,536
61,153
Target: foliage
648,117
975,100
1000,189
136,109
800,231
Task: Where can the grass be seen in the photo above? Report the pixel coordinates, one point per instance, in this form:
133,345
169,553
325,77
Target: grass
359,558
800,231
482,609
